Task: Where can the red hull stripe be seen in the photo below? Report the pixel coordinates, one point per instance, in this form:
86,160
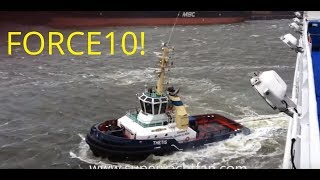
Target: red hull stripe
61,22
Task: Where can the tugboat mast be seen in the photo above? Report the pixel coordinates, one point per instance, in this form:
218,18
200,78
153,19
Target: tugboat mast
164,59
181,115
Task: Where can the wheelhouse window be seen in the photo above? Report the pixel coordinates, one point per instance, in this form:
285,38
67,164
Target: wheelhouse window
142,106
156,108
163,108
163,99
148,108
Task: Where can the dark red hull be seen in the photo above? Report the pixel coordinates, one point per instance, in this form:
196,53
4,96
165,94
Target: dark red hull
69,22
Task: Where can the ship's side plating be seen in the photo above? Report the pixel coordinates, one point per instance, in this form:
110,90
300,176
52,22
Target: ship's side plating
302,149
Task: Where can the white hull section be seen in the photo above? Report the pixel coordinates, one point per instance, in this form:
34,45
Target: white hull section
303,127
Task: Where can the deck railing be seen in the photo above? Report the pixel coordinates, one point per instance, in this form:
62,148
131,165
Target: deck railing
303,142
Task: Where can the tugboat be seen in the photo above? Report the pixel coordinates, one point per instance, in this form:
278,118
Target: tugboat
160,127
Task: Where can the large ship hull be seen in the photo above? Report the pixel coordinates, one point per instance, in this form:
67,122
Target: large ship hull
62,22
145,18
76,19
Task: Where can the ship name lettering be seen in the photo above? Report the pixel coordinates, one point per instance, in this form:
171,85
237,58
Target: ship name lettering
159,142
188,14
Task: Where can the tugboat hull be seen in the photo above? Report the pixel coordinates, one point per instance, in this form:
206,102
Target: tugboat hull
132,153
116,148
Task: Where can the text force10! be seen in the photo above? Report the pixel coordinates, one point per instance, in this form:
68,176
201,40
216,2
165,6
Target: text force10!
127,38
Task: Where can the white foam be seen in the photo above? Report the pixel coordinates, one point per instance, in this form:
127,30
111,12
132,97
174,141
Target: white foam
131,48
206,84
83,153
157,53
4,124
128,77
247,111
239,147
253,67
204,42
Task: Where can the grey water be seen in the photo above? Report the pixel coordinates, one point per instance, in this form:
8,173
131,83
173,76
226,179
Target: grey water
49,102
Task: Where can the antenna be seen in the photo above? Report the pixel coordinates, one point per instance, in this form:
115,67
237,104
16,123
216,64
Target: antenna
175,22
174,25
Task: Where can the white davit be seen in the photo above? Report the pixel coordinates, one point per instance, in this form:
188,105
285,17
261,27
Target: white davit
273,90
270,82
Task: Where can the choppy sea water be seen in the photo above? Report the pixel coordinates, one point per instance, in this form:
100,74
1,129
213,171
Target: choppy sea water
48,103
